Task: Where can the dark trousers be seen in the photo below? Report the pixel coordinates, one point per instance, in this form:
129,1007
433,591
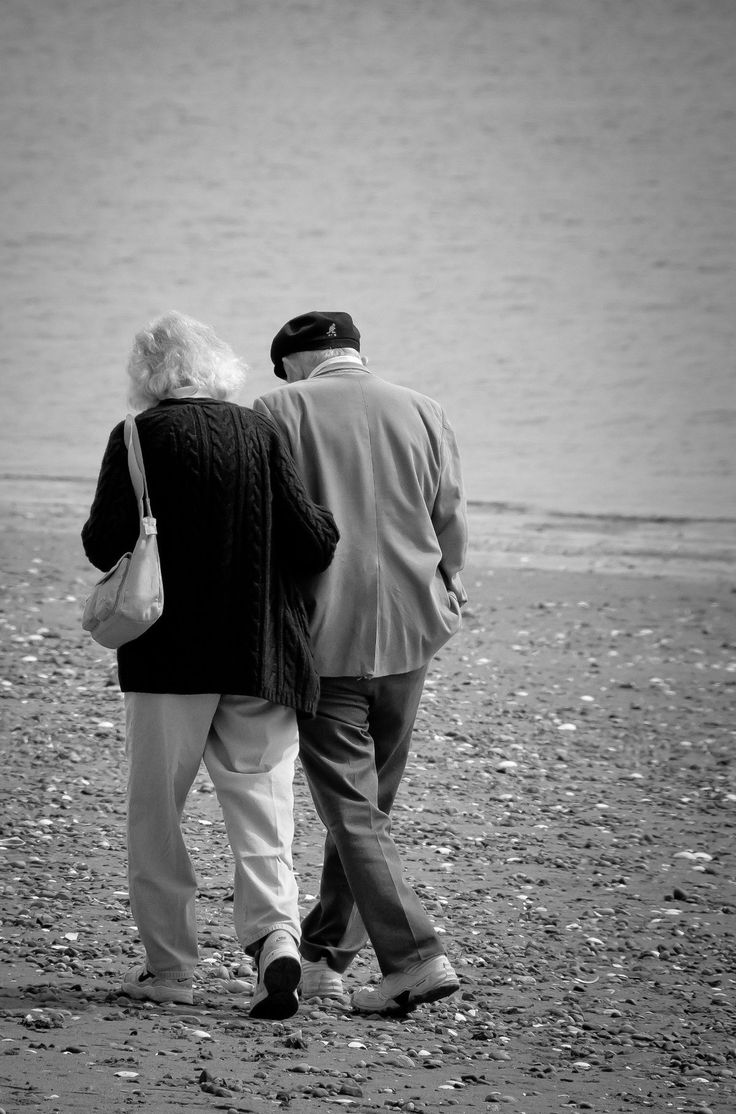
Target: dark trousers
354,753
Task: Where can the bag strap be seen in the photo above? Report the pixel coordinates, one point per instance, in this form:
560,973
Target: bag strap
137,471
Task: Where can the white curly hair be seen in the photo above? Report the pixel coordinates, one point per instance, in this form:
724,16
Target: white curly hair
179,351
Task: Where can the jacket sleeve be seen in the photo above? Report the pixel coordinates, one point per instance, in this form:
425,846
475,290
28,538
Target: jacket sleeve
112,527
448,514
304,532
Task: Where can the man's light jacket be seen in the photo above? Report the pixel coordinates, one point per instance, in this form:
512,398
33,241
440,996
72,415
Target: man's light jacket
384,460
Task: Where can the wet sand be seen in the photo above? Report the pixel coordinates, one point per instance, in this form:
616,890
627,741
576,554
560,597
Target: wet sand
568,817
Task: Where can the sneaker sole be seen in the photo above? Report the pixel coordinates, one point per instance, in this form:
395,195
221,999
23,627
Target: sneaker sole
280,980
404,1003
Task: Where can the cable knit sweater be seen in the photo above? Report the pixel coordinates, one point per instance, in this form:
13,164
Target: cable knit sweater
236,533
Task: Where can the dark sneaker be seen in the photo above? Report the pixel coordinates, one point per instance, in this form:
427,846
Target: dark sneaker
279,975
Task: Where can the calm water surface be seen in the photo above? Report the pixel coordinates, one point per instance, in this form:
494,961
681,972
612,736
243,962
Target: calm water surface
527,205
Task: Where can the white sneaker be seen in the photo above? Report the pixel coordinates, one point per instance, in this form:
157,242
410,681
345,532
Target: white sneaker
142,984
399,993
279,974
320,981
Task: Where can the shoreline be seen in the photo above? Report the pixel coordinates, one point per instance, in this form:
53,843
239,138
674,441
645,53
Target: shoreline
530,537
506,535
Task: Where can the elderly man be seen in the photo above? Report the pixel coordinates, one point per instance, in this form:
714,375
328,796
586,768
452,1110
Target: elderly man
384,460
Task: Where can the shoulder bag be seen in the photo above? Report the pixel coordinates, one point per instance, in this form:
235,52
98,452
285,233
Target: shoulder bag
130,597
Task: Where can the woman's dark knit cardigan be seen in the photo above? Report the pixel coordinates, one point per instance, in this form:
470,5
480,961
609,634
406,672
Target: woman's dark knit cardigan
236,534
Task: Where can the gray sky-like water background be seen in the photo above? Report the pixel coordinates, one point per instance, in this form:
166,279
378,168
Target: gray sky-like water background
529,207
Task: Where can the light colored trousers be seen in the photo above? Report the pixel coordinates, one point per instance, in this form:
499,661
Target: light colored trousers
249,747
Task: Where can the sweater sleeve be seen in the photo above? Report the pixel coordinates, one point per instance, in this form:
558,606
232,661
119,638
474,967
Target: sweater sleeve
305,532
112,527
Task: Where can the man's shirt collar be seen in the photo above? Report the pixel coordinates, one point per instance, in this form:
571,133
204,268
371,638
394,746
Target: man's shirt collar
338,363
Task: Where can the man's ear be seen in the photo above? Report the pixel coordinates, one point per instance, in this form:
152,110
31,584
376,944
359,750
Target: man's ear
295,368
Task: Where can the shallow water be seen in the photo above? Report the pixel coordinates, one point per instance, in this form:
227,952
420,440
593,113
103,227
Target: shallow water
527,205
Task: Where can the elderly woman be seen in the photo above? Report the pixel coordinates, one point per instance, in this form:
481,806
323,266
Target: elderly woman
223,673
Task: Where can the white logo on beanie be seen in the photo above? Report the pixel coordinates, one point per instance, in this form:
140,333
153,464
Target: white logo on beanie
332,331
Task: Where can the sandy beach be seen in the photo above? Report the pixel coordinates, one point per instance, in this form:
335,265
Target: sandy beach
568,818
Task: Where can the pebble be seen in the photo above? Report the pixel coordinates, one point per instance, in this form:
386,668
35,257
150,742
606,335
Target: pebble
400,1061
239,986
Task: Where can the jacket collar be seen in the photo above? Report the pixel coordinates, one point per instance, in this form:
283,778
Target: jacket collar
339,363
